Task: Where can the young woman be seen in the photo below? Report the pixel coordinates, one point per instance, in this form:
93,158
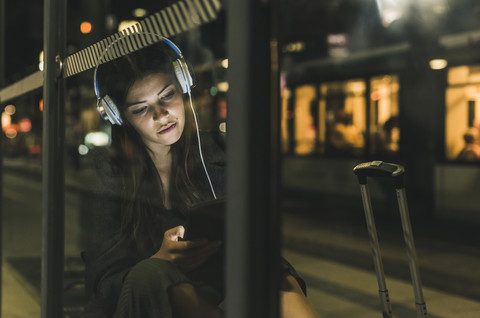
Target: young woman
138,264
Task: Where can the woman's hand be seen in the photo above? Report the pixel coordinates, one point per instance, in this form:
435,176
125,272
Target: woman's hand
186,255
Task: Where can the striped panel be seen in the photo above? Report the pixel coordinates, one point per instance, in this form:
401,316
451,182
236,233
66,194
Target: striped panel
174,19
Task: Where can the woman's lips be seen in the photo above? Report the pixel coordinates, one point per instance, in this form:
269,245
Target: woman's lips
167,129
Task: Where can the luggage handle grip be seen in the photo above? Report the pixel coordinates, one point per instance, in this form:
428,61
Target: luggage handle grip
380,169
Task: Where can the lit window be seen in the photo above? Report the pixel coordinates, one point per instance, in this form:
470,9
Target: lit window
462,118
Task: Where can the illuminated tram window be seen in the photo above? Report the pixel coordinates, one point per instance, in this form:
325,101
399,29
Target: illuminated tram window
343,108
286,116
333,119
384,125
303,120
462,118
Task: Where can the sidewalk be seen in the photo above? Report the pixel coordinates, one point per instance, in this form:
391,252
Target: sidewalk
19,298
448,261
339,291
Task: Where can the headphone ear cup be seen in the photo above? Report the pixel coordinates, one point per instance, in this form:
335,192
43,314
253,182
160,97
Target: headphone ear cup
109,111
183,75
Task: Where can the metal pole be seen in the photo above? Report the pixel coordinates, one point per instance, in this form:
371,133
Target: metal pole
377,257
2,84
420,306
53,163
253,247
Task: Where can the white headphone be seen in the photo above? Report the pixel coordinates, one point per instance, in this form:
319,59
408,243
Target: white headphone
105,105
109,111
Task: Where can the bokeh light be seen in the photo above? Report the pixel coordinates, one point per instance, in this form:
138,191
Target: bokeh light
85,27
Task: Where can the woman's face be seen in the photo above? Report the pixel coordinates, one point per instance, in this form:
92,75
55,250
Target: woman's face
155,108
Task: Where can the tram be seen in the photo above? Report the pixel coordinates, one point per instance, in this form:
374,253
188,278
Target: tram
386,104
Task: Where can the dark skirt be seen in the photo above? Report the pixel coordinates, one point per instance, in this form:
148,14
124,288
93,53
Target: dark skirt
145,291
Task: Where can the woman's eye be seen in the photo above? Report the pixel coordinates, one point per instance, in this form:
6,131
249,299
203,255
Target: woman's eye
168,95
139,110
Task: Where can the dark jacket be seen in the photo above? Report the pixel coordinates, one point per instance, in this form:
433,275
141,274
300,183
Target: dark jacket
108,255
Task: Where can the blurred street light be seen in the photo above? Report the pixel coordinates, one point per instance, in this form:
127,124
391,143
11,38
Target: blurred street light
438,64
139,13
85,27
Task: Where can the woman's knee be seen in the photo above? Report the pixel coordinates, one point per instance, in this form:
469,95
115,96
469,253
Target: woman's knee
153,274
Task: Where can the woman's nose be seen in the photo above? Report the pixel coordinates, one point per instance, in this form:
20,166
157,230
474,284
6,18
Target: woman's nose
161,114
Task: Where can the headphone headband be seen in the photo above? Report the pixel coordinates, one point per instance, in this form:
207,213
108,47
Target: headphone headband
105,105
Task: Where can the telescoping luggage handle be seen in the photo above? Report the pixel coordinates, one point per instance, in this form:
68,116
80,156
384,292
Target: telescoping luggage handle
394,171
380,169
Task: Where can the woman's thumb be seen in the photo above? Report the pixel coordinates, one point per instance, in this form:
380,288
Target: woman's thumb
174,233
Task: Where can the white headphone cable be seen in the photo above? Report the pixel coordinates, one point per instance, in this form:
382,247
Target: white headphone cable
200,145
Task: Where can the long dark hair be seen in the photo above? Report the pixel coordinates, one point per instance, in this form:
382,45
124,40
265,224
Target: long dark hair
144,215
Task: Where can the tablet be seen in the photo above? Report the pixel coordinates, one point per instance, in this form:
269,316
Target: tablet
206,220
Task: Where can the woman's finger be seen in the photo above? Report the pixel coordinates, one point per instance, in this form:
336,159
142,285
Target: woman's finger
174,233
188,245
188,255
